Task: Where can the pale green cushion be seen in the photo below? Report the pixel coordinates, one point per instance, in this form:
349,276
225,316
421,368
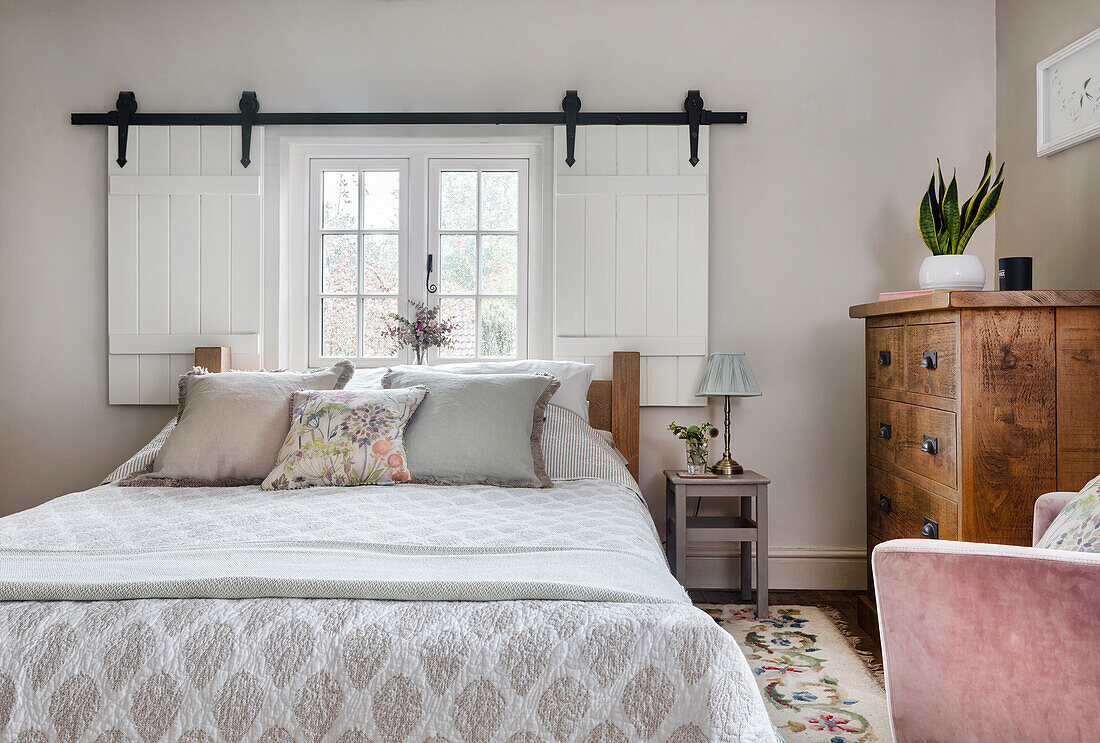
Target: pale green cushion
1077,527
477,428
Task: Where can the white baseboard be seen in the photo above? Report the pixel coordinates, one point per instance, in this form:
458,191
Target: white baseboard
788,567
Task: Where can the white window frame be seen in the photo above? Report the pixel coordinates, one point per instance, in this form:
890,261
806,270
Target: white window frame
318,167
482,165
303,276
288,152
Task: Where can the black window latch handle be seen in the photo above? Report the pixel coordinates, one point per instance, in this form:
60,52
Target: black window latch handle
428,279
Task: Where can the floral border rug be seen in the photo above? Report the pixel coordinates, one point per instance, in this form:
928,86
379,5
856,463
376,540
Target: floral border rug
817,688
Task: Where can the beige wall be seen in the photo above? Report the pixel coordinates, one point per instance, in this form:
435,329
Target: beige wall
813,203
1049,208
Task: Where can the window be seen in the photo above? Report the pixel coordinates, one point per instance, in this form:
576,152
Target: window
357,247
478,231
375,222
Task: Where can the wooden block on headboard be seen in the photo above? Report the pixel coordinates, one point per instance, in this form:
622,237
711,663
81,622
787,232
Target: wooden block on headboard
625,395
613,405
214,358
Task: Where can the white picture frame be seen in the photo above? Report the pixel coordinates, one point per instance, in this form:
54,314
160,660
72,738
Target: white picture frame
1068,96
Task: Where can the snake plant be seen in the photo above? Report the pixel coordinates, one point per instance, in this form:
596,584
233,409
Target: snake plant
944,227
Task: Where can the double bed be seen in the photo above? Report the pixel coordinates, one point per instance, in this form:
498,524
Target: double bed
421,613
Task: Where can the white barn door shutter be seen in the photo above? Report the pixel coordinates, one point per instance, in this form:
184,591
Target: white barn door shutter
184,256
631,254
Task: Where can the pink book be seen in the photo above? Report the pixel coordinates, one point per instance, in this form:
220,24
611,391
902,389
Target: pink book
887,296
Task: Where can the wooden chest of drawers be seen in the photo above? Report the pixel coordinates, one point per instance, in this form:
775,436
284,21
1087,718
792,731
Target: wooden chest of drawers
977,404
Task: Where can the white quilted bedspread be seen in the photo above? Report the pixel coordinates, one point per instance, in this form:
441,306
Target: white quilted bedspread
277,670
580,513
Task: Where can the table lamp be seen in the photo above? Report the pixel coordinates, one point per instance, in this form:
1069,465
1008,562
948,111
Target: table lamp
729,375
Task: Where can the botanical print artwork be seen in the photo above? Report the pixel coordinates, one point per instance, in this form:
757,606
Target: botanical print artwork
343,438
1069,95
1077,98
815,686
1077,527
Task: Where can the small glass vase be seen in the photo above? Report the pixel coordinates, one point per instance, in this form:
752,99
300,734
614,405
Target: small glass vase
696,458
421,353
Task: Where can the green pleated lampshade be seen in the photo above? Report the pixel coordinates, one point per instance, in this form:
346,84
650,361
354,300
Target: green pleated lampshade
728,374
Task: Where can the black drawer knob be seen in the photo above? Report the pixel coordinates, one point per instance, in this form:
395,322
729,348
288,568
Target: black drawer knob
930,529
929,360
884,358
884,504
884,430
930,445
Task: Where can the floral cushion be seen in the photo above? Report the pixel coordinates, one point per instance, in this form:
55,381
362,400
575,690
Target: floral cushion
1077,527
345,437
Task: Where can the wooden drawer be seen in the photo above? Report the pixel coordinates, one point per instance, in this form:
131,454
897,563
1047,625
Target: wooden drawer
932,360
886,358
924,428
897,431
897,509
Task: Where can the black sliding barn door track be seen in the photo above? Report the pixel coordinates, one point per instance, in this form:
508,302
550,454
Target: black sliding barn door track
125,115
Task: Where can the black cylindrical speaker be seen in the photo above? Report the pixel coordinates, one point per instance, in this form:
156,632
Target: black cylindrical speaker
1014,273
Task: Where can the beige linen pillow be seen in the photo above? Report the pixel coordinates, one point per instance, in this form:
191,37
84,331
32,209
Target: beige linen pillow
231,425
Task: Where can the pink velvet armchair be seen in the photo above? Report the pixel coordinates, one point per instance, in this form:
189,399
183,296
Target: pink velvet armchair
990,643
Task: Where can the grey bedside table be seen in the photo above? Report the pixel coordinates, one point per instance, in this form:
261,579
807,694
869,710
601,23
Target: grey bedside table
679,527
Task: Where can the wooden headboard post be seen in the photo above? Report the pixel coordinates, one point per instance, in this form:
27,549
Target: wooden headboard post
625,396
613,405
214,358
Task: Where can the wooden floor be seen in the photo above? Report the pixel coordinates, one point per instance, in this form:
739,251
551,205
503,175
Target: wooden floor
843,602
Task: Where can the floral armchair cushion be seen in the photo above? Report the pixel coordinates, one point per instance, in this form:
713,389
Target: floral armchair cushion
1077,527
344,438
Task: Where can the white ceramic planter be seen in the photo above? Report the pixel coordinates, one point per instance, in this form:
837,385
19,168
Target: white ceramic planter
952,272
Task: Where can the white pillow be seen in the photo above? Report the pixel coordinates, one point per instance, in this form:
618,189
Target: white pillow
575,377
367,379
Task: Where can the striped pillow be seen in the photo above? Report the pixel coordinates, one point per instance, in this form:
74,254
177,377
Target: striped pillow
574,450
143,460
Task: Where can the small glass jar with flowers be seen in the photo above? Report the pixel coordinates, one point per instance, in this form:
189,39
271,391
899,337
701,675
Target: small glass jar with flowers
424,330
696,439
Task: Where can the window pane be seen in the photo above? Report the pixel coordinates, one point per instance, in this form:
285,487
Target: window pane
340,259
341,201
375,314
338,327
463,340
381,200
458,264
380,264
498,327
499,264
458,200
500,201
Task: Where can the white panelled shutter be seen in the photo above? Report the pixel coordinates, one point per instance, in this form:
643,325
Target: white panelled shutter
184,256
631,245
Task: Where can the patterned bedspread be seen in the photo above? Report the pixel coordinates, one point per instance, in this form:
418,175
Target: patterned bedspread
313,670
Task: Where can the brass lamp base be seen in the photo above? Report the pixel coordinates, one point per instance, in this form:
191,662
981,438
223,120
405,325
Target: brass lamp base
727,466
